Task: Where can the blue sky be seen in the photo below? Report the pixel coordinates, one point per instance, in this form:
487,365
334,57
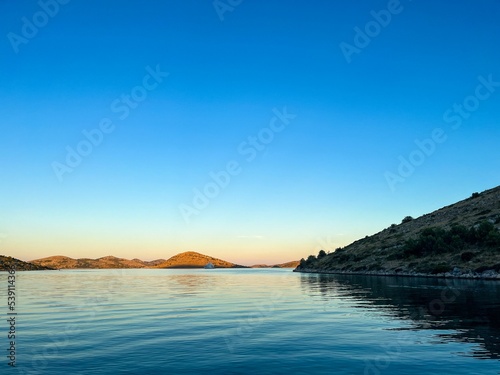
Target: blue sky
339,161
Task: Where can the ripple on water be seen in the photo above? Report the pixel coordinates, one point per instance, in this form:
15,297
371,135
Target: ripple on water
247,321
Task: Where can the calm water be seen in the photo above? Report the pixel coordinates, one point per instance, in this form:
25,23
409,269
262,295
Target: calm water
265,321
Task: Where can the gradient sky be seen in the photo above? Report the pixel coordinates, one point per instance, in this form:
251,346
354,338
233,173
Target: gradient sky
319,182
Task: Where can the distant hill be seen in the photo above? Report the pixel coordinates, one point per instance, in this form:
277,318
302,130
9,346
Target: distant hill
151,263
291,264
461,240
63,262
191,259
7,263
188,259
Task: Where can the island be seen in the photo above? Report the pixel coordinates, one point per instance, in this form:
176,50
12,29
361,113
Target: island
460,240
187,259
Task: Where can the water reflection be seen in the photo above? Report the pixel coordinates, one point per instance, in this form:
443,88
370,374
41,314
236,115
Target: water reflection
468,310
192,283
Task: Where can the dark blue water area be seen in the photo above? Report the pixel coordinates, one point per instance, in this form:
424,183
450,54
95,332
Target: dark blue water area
246,321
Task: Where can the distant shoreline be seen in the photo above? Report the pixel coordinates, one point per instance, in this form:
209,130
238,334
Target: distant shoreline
149,268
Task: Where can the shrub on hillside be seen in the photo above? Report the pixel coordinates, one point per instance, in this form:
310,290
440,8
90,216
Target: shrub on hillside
311,259
467,256
438,241
407,219
485,234
343,258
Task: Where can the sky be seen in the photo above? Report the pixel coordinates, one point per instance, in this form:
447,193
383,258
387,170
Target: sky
251,131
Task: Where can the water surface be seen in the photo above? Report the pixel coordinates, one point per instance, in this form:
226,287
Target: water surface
246,321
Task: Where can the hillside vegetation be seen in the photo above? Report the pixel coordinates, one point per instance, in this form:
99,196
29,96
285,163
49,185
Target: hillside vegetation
460,240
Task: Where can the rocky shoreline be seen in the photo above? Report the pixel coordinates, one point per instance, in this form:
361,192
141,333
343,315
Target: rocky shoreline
455,274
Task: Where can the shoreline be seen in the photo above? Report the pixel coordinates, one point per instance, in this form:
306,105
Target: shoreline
469,275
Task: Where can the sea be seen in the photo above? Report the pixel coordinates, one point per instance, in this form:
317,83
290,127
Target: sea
248,321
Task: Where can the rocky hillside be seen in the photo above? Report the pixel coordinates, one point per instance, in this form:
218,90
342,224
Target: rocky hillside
191,259
462,239
62,262
7,263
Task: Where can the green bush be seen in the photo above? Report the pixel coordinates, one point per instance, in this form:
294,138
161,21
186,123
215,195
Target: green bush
484,229
493,239
459,230
305,263
467,256
486,234
411,248
438,241
343,258
407,219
